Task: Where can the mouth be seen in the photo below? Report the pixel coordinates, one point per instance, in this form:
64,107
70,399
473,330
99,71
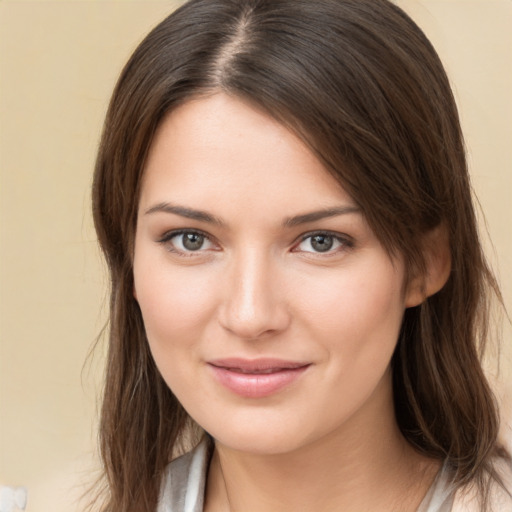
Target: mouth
256,378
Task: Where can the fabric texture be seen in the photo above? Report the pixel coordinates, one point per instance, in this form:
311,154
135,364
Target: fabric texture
184,484
184,481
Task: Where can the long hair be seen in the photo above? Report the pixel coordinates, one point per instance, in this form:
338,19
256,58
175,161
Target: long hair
362,86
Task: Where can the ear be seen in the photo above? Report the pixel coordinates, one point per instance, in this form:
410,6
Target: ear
436,252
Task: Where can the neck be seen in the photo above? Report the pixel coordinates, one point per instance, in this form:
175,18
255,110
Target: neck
363,465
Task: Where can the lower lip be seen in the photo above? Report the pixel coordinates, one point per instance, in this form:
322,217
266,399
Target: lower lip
257,385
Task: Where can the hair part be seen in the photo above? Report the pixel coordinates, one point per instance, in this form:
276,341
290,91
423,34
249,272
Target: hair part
363,87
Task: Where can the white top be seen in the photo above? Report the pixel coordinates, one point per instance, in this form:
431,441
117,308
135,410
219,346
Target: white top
184,483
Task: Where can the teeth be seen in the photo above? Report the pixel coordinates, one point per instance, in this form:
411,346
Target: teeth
263,372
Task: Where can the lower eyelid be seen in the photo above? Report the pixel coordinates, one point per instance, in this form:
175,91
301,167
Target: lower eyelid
343,241
166,241
337,244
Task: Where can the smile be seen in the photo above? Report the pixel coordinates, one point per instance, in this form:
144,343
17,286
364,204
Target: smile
256,378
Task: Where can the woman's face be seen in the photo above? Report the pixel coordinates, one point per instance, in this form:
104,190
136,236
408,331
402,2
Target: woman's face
271,309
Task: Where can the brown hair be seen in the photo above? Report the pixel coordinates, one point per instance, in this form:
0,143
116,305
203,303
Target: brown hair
360,83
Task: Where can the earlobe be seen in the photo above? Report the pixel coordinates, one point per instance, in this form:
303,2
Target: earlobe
437,254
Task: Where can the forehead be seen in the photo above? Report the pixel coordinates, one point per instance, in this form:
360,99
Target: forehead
219,149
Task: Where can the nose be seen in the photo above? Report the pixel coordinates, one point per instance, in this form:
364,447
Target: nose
253,305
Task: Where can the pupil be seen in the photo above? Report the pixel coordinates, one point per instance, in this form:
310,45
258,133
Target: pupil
322,243
193,241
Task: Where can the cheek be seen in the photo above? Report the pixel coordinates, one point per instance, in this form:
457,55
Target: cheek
356,316
177,305
356,299
356,319
175,302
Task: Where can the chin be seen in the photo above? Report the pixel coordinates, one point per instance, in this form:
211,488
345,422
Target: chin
270,444
264,435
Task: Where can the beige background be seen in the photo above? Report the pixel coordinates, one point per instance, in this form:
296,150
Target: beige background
58,64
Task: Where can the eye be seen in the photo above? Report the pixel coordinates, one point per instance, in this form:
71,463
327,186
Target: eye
323,242
187,241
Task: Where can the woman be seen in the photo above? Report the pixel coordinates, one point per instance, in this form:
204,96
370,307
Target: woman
282,197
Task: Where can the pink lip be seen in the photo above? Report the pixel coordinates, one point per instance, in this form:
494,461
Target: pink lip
256,378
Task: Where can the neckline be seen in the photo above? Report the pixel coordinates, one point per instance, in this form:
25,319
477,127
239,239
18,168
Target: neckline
440,495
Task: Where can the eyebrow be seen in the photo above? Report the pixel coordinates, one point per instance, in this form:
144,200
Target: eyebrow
319,215
290,222
183,211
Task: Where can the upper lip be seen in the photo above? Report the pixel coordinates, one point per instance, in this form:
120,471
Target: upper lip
256,365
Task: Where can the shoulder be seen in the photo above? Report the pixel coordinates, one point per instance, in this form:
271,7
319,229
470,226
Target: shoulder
468,499
184,480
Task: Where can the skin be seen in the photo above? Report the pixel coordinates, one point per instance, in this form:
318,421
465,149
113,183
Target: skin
257,286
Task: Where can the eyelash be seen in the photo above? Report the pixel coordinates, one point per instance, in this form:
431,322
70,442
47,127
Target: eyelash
345,242
167,237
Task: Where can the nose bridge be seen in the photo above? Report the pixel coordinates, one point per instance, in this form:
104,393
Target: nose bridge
254,305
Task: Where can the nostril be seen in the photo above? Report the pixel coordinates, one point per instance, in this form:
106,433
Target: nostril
255,324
